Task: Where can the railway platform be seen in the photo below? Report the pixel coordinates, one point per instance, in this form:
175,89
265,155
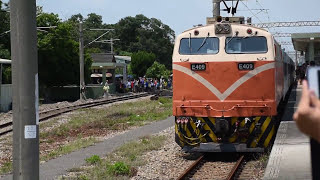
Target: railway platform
290,157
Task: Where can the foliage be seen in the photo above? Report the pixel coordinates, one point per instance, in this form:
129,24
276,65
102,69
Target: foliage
140,62
93,159
140,33
58,54
4,53
6,74
157,70
125,53
119,168
4,34
47,20
6,168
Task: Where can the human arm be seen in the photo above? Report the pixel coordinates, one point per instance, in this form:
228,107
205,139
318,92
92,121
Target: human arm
307,115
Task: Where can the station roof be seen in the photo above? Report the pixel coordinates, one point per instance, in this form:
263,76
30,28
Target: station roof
108,61
301,41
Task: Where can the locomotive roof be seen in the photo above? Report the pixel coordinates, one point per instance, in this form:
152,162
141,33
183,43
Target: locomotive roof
197,27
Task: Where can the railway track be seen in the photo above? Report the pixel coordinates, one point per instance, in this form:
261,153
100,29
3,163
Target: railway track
203,168
6,128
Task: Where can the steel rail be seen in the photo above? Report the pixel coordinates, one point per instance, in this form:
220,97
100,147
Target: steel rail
45,115
235,168
187,171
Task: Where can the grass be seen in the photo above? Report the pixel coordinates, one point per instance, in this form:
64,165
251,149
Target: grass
6,168
117,117
68,148
93,159
123,162
47,124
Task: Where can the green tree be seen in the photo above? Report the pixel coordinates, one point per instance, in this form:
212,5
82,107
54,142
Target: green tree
157,70
140,62
140,33
4,31
58,57
46,20
6,74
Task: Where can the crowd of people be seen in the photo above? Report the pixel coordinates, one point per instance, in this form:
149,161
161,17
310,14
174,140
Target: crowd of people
143,84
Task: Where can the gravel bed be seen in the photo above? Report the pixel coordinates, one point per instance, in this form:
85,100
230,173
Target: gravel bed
167,163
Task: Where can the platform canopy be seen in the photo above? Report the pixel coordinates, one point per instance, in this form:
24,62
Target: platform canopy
309,43
301,41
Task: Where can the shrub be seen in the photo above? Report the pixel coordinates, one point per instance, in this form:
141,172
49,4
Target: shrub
119,168
93,159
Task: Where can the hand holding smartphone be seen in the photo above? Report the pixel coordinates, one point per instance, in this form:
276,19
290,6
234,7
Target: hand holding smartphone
313,76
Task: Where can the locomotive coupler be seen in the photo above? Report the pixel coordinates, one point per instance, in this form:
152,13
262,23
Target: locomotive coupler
222,126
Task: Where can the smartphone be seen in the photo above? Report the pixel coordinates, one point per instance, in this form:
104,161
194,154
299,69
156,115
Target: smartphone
313,76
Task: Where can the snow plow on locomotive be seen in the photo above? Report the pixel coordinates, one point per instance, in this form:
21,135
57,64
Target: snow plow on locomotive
228,81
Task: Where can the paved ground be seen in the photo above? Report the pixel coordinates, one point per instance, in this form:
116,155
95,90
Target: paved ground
290,157
59,166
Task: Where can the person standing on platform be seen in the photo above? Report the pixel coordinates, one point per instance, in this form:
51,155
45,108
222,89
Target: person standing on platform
83,90
106,90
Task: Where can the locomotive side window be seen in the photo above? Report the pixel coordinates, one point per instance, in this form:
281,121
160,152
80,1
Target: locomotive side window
246,45
199,46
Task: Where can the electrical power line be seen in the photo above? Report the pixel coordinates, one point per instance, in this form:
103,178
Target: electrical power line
288,24
251,11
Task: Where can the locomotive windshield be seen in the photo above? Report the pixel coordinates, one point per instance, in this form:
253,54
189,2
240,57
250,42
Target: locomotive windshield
199,46
246,45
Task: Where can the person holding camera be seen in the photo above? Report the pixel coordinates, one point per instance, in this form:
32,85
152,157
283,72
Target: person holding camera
307,115
307,118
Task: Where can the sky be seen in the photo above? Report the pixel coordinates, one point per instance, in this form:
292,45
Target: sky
181,15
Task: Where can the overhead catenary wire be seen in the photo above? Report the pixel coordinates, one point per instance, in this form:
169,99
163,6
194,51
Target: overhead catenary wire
251,11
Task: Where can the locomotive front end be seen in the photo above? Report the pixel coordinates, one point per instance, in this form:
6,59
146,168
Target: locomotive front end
224,88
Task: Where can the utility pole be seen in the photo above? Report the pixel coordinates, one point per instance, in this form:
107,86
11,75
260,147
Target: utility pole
81,60
111,42
25,89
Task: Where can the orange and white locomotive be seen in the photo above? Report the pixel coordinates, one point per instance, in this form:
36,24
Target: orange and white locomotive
228,81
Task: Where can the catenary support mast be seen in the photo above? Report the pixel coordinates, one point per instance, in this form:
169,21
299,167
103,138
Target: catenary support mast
25,89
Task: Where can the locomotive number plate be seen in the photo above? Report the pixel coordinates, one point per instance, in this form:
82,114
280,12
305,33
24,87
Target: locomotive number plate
198,67
245,66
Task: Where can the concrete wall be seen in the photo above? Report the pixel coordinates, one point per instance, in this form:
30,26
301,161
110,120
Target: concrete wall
6,97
